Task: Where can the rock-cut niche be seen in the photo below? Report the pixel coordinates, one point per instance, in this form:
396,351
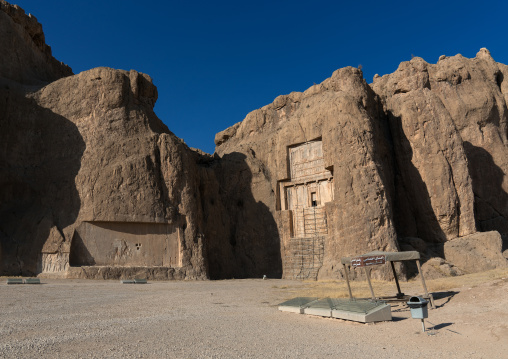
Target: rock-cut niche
303,196
126,244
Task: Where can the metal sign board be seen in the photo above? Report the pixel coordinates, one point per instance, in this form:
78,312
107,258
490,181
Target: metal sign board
366,261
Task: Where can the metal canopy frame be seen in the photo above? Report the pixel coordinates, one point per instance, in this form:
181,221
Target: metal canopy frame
388,257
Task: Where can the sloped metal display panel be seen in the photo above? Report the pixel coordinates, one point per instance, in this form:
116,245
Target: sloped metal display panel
296,305
365,311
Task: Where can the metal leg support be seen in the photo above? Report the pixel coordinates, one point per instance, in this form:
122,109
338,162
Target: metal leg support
399,293
367,274
424,285
347,281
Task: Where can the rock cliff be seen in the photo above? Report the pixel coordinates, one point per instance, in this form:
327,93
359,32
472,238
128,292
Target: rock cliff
90,177
26,58
94,185
420,153
339,128
450,126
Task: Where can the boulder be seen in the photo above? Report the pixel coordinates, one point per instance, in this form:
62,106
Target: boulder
477,252
437,267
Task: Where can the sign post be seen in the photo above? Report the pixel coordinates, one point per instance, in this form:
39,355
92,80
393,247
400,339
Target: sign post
367,261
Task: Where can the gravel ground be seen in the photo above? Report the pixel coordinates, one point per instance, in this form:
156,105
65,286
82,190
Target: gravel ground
234,319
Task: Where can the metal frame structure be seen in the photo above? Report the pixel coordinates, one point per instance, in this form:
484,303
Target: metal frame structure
378,257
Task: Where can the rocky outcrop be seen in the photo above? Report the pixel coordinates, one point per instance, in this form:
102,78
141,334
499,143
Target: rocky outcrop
449,122
339,129
26,59
88,172
98,155
421,156
94,185
433,178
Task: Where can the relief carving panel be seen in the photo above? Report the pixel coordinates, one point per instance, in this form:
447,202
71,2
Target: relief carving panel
126,244
306,161
308,189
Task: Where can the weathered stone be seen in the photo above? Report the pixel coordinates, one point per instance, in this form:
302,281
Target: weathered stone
26,59
464,114
434,180
439,268
477,252
320,199
88,151
477,104
94,185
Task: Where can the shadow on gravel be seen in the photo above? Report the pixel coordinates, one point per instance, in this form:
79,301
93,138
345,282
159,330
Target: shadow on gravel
398,319
440,326
442,295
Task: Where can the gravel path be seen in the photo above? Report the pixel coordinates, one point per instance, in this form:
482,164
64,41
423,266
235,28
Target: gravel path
233,319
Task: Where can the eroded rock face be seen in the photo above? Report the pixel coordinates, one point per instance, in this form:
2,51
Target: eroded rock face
94,185
26,58
321,163
433,178
35,144
89,175
424,158
449,122
102,178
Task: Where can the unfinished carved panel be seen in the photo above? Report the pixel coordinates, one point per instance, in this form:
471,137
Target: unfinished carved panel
325,191
125,244
304,257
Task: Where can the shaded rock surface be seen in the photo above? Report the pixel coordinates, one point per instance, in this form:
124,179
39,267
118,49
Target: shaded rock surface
345,116
419,153
94,185
89,175
26,58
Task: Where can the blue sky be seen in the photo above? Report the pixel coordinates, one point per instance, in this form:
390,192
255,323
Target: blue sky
215,61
